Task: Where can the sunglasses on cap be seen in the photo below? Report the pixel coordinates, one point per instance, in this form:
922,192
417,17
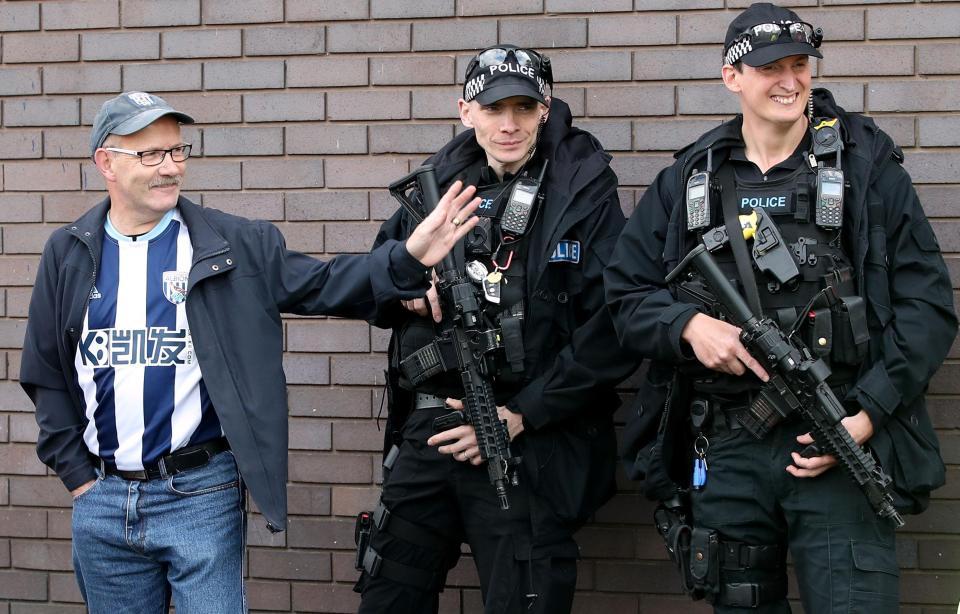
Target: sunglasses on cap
494,56
767,33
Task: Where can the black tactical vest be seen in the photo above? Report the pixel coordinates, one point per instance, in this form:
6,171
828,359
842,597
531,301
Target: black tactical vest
486,250
834,329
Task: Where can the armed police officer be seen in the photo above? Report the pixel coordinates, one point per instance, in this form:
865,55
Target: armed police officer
845,264
549,219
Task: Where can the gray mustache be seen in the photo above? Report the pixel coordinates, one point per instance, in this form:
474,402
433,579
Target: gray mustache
165,181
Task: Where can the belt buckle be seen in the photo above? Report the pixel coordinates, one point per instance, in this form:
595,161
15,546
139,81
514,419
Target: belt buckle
175,456
742,594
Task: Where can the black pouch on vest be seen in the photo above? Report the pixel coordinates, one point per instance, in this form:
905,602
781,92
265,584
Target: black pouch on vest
850,331
820,333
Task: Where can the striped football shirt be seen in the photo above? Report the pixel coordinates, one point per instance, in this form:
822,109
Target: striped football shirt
135,362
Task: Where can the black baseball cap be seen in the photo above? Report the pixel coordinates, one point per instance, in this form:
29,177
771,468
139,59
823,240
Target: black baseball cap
128,113
755,39
503,71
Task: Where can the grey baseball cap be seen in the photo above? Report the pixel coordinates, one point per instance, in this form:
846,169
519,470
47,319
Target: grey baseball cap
128,113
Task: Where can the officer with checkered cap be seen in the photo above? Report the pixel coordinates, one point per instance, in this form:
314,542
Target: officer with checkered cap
538,256
740,483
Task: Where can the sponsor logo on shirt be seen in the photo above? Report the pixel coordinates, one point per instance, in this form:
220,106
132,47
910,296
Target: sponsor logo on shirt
140,347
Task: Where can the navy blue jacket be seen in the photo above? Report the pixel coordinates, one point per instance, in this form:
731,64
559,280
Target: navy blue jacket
242,278
899,270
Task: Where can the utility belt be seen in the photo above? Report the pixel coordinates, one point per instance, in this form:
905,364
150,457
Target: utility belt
712,417
424,400
702,557
717,414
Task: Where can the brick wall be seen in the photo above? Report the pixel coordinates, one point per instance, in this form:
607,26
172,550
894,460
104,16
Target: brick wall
305,110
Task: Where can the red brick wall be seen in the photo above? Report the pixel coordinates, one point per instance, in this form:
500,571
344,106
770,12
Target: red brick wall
306,109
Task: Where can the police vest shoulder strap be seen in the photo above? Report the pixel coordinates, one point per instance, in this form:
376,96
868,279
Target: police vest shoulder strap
741,255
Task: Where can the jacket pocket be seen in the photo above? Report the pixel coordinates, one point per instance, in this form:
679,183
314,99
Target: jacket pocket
563,293
907,450
576,469
876,278
937,275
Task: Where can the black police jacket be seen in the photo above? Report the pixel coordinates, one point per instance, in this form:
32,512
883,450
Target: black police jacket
900,272
572,360
242,278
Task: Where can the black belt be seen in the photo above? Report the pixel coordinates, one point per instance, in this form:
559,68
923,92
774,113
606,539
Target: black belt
425,400
720,414
176,462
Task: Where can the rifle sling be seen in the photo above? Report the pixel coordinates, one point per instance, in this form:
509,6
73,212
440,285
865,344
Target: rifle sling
741,254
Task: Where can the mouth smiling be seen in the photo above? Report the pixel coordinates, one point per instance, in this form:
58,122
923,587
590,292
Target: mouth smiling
785,100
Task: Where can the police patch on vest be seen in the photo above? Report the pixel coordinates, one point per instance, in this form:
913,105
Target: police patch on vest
175,286
491,199
775,200
566,251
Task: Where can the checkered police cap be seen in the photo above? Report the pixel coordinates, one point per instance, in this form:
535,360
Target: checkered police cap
765,33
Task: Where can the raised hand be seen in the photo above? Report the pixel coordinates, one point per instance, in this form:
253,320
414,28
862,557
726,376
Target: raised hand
436,235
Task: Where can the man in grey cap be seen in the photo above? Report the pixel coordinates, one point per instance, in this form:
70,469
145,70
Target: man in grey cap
859,282
153,355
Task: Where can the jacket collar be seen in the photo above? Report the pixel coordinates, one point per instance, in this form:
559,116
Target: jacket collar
90,224
205,239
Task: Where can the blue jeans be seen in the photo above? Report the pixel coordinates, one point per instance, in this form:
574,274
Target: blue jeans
137,544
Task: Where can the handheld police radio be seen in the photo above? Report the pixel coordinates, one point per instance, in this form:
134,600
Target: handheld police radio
698,196
829,206
830,182
516,214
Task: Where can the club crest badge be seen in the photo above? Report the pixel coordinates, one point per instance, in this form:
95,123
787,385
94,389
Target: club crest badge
175,286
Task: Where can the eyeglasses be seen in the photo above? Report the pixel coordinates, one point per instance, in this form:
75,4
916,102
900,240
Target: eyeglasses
155,157
494,56
766,33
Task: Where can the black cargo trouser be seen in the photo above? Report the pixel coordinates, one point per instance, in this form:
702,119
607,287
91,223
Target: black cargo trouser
455,501
844,556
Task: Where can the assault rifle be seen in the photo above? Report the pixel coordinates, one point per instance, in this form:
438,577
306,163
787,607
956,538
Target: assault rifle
473,343
798,382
